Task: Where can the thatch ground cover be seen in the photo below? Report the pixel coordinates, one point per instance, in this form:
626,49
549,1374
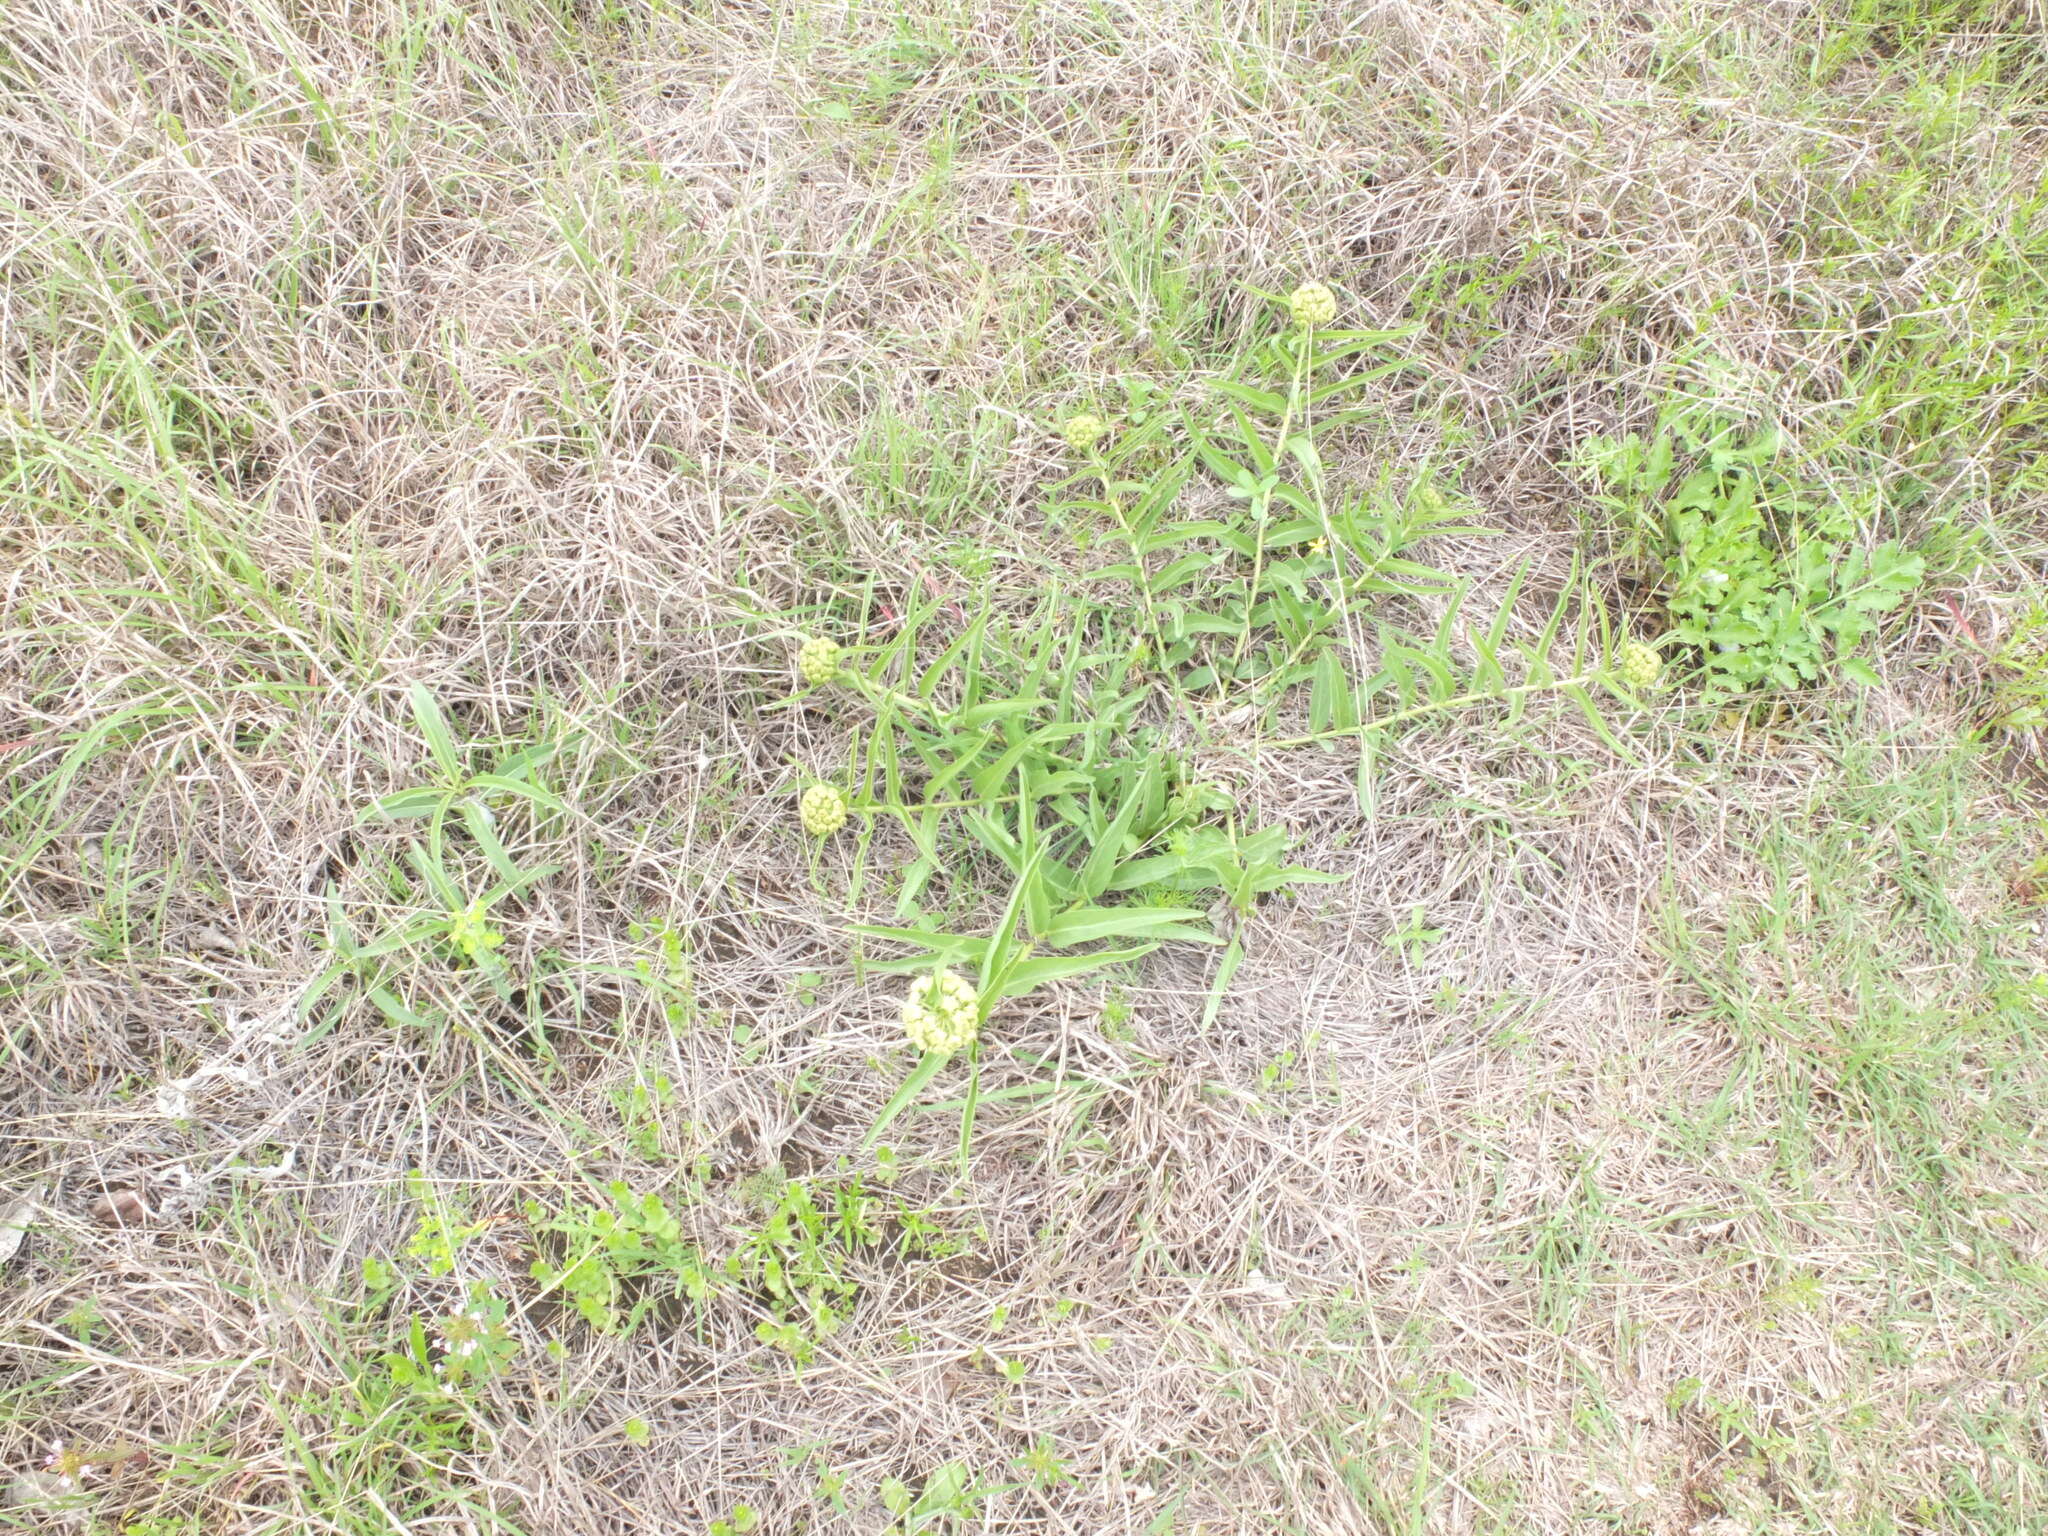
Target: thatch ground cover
1640,1133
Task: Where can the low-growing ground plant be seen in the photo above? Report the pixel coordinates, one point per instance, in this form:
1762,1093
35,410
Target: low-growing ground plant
444,889
1766,582
621,1261
2017,666
1042,749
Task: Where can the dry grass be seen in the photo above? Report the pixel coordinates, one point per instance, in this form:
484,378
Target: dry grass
1689,1180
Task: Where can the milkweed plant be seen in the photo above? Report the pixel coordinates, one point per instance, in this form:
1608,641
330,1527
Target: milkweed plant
1276,616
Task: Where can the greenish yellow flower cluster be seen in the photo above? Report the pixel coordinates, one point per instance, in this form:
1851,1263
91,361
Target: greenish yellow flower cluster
1639,665
1083,432
1312,304
941,1014
817,660
823,809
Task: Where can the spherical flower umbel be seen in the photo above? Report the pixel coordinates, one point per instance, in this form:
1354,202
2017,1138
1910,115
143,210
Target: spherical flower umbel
941,1013
1639,665
823,809
1083,432
817,660
1312,304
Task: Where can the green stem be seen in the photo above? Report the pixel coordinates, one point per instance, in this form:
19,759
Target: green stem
1265,510
929,805
1346,585
1483,696
1137,559
878,693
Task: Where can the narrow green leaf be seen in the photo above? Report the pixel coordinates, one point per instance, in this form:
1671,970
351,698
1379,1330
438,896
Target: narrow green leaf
1031,884
1003,946
926,1069
408,804
1599,724
967,1109
939,948
478,820
519,789
1151,871
387,1003
1108,850
1226,968
1087,924
1028,975
434,726
436,877
517,765
1001,709
1263,399
520,881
